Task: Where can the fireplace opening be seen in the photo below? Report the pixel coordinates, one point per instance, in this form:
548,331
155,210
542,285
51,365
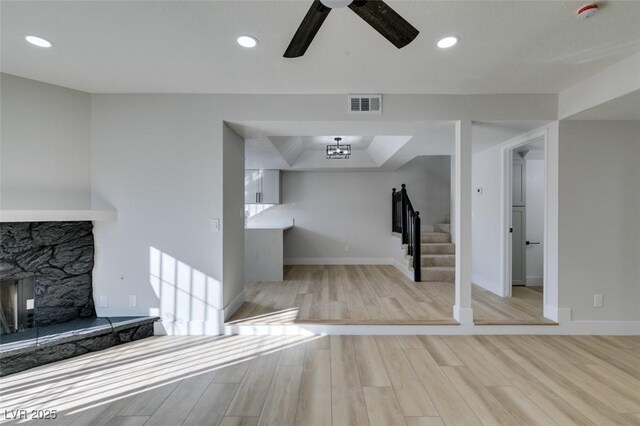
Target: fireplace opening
17,305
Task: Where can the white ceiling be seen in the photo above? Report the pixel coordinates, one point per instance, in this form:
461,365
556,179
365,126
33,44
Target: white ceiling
189,46
395,143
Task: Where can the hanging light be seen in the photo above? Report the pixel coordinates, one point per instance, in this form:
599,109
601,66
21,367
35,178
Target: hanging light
337,151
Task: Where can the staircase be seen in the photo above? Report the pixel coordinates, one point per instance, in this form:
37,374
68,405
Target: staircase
438,259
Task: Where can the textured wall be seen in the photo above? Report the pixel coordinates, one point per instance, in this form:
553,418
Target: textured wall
59,256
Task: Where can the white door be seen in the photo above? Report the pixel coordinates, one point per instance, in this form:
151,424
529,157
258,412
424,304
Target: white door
518,241
519,183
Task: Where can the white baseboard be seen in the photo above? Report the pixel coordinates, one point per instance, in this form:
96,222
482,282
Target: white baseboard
404,269
188,328
552,312
233,306
533,280
463,315
619,328
338,261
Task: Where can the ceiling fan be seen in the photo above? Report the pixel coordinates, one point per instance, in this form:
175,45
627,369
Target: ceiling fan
376,13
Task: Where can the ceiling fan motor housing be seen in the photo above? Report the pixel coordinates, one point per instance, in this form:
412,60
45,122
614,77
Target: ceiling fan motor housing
335,4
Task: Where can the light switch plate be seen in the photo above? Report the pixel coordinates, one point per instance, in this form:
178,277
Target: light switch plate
132,300
104,301
598,301
215,225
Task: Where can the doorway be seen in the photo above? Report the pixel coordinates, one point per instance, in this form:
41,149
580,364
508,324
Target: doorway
524,254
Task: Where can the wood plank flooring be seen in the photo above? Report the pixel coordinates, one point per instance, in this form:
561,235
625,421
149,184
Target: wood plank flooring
375,294
339,380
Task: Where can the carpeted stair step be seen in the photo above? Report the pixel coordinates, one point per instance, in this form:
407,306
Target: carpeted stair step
437,248
438,260
438,273
442,227
435,237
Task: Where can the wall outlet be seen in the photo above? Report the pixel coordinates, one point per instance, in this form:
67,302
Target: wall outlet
104,301
598,301
132,300
215,225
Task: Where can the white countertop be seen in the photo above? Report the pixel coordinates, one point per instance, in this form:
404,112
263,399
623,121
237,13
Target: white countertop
268,226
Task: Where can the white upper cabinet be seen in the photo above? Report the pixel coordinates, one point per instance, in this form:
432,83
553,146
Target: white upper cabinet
262,186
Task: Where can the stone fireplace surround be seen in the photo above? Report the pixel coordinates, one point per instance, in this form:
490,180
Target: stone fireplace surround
59,257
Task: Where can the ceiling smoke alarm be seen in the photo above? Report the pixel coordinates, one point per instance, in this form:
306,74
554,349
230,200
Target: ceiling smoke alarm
588,11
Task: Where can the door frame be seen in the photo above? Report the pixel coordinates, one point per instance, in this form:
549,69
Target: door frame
506,211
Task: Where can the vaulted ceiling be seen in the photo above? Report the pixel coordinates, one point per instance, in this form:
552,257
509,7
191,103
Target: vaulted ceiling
190,46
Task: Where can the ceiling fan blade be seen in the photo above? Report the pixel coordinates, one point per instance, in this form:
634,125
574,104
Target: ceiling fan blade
307,30
386,21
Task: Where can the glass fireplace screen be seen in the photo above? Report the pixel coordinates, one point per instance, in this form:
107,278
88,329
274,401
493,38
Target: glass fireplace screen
17,305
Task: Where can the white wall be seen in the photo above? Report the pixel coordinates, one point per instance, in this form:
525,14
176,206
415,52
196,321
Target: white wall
599,233
333,210
45,151
534,219
486,219
158,160
233,214
428,180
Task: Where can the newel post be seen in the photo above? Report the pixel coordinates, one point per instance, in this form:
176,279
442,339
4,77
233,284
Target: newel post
405,236
417,240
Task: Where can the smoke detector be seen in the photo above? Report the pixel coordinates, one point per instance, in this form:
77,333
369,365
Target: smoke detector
588,11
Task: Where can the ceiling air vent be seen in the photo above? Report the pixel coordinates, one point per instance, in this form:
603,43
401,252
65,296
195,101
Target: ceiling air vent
365,104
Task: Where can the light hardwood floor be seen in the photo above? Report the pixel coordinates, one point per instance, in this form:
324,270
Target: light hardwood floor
374,294
340,380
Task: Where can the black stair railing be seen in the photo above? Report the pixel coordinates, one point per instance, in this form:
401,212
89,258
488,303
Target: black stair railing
406,221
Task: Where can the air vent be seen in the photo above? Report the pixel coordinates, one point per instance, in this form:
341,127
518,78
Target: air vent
365,104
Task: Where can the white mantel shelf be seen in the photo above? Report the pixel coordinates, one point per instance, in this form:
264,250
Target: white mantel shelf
57,215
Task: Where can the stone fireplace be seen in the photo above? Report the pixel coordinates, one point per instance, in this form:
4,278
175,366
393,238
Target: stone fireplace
54,261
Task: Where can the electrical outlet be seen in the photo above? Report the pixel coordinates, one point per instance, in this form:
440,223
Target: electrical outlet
104,301
132,300
215,225
598,301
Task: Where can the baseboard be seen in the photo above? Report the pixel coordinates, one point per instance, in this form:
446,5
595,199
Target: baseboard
234,305
338,261
533,280
463,315
404,269
189,328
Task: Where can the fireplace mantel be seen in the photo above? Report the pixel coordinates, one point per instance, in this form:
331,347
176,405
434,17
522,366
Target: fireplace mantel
57,215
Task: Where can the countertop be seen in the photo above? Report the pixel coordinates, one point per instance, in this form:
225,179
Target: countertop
268,226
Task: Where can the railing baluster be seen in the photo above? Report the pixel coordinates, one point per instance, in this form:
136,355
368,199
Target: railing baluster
405,220
417,261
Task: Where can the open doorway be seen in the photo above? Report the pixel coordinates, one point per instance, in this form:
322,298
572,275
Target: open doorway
322,250
525,213
513,239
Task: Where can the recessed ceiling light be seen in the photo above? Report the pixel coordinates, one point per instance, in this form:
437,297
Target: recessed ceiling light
247,41
448,42
38,41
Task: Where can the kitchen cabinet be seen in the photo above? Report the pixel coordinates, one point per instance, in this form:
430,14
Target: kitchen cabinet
262,186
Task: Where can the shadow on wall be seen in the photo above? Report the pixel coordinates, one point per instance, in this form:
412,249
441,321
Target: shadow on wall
190,302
